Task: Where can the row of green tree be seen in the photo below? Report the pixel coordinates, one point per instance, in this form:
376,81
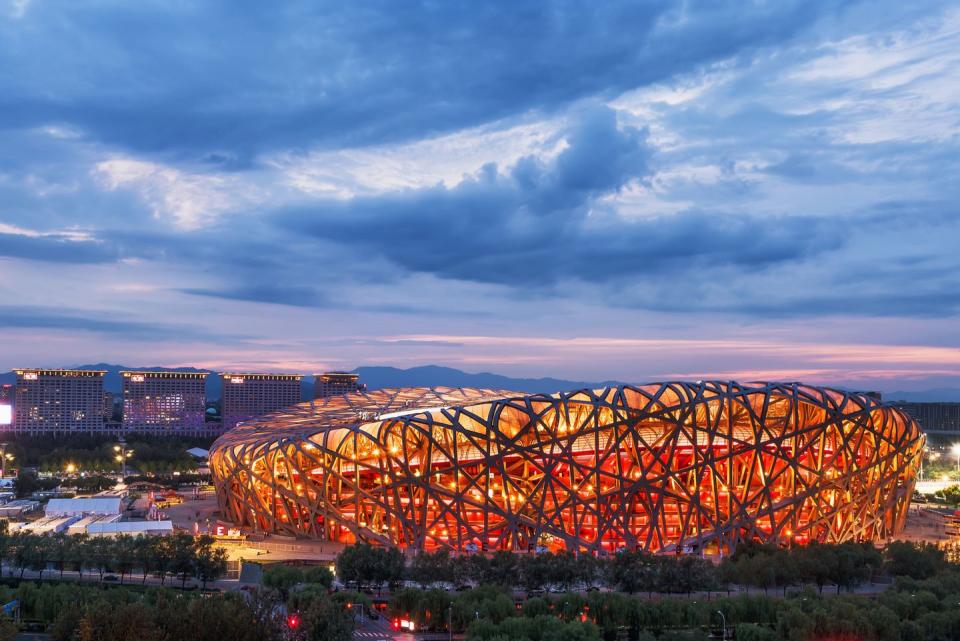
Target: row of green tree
179,555
759,566
98,612
76,612
911,610
95,453
28,482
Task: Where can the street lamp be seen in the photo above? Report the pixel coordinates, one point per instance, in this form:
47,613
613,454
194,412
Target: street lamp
724,619
4,457
450,620
71,468
122,455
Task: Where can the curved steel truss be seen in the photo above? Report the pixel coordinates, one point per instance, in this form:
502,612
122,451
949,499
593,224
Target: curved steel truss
667,467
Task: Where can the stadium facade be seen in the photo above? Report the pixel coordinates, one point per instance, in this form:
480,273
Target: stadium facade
668,467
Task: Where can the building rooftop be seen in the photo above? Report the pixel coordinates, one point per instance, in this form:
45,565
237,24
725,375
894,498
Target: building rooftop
127,373
60,372
265,375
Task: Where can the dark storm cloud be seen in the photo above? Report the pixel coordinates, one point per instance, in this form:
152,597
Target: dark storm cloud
542,223
222,81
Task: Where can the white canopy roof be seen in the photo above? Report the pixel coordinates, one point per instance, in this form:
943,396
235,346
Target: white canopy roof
71,507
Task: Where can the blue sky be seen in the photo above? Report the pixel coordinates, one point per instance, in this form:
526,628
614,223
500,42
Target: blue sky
578,189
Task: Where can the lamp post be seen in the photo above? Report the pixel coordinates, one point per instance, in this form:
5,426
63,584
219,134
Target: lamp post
4,457
122,455
450,621
724,628
956,452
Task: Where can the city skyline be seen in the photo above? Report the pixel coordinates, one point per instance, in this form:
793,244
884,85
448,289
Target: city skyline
594,193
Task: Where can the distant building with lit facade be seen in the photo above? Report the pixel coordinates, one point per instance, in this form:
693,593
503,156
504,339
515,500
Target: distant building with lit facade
336,384
934,417
164,402
6,405
58,401
247,396
107,407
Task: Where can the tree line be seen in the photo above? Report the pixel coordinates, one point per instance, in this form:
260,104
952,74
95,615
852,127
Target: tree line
763,567
94,453
911,609
179,555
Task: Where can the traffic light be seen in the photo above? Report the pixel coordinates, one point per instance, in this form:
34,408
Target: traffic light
293,621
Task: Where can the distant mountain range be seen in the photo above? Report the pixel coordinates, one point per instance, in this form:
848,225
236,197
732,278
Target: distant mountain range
434,375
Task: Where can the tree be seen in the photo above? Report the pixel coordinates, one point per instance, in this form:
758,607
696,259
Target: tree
39,553
319,575
161,556
124,554
210,563
145,555
633,571
282,577
183,554
325,620
103,621
98,551
363,564
916,561
428,568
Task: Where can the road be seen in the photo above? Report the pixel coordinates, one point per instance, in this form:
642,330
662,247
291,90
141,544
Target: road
370,630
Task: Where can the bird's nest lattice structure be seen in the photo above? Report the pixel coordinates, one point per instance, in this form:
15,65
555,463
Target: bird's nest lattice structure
668,467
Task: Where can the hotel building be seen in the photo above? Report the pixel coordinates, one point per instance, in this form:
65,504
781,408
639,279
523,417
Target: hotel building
164,402
336,384
247,396
58,401
935,418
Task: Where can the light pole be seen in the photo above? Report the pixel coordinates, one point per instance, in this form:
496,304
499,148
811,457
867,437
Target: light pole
4,457
724,628
122,455
956,452
450,621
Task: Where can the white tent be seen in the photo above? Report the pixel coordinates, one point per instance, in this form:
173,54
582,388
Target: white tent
82,507
130,527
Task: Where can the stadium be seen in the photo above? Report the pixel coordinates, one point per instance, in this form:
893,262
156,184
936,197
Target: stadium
672,467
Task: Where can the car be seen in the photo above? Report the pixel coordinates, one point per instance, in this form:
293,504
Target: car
373,614
111,577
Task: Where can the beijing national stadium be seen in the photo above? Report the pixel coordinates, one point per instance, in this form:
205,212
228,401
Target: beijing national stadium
667,467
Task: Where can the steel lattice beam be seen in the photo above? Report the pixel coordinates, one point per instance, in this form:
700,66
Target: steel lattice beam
667,467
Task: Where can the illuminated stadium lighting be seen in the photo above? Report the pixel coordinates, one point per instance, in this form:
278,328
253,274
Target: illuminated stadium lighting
667,467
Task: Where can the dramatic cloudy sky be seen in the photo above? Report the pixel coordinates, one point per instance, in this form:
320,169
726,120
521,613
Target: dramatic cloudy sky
595,190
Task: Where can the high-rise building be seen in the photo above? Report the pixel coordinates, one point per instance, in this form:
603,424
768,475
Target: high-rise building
934,417
247,396
107,407
336,384
58,401
164,402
